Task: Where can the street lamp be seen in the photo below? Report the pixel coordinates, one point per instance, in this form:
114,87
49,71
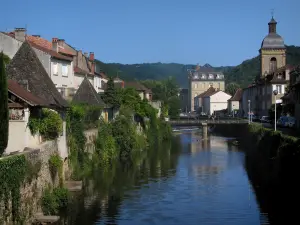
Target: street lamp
249,101
275,92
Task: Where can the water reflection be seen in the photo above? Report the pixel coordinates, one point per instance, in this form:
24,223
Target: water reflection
188,181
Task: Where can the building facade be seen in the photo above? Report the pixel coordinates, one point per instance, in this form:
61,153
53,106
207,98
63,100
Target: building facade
274,75
201,79
184,99
234,102
215,101
57,62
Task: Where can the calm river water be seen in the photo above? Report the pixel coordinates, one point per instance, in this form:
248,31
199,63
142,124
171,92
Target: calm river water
188,181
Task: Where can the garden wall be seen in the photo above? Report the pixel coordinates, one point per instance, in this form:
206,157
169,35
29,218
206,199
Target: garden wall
37,177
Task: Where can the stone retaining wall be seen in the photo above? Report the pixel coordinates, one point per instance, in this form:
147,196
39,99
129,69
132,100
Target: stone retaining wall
31,191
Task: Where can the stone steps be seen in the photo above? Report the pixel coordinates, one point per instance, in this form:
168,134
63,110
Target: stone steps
40,218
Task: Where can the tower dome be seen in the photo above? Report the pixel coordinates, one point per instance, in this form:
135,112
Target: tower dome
273,40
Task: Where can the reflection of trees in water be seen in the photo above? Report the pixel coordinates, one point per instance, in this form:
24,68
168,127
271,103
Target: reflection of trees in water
275,200
108,184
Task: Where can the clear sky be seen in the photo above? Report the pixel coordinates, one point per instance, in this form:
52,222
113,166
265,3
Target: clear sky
218,32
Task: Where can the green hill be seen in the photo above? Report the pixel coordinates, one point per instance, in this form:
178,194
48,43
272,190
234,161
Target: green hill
242,74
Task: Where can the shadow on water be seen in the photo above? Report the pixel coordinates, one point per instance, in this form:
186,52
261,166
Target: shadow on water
106,188
278,202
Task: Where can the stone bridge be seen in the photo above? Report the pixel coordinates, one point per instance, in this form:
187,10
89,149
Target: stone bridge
205,123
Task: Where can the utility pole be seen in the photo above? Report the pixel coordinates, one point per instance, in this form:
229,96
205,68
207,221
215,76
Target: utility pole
275,92
249,120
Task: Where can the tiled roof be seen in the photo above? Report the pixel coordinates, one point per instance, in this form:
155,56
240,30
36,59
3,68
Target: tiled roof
103,75
237,96
208,91
211,93
81,71
45,46
25,95
51,52
137,86
26,67
86,93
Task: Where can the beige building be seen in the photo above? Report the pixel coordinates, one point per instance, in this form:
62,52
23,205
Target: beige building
274,75
200,80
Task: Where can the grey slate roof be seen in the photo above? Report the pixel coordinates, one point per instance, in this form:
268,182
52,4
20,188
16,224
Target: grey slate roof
273,40
86,93
25,68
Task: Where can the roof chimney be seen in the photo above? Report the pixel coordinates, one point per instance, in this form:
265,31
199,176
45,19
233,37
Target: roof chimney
86,54
61,42
20,34
55,44
123,84
92,56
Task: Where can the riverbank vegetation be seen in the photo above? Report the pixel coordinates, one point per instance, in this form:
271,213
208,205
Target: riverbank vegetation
276,155
166,91
54,200
48,124
135,128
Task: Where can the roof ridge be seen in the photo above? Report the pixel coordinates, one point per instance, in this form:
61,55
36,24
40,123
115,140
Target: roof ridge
94,91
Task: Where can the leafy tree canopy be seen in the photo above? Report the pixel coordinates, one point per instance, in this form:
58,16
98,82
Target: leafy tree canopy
231,88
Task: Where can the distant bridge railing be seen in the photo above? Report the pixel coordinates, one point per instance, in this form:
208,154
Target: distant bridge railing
208,121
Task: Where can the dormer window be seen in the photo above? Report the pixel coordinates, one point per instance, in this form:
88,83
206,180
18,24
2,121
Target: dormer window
279,76
211,76
203,76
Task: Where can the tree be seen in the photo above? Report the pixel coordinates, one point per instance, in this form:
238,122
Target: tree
272,111
174,107
111,95
3,106
6,59
231,88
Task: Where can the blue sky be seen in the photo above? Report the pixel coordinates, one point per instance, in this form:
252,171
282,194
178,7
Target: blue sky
218,32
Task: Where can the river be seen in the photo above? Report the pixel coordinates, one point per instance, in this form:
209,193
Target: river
187,181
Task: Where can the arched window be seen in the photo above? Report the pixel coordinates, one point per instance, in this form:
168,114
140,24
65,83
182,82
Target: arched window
273,64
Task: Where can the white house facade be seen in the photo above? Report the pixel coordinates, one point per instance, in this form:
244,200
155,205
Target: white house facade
215,101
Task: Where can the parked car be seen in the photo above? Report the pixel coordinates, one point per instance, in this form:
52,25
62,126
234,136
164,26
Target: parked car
255,118
291,122
265,119
282,121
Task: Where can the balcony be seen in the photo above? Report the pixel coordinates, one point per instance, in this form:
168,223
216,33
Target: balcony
16,114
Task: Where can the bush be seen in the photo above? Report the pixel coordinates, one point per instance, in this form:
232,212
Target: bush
49,125
56,166
55,200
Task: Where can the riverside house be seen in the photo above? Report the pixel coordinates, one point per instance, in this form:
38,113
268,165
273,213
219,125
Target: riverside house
235,102
37,91
86,94
57,61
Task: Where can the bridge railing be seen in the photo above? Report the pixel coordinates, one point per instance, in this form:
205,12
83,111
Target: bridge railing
209,121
